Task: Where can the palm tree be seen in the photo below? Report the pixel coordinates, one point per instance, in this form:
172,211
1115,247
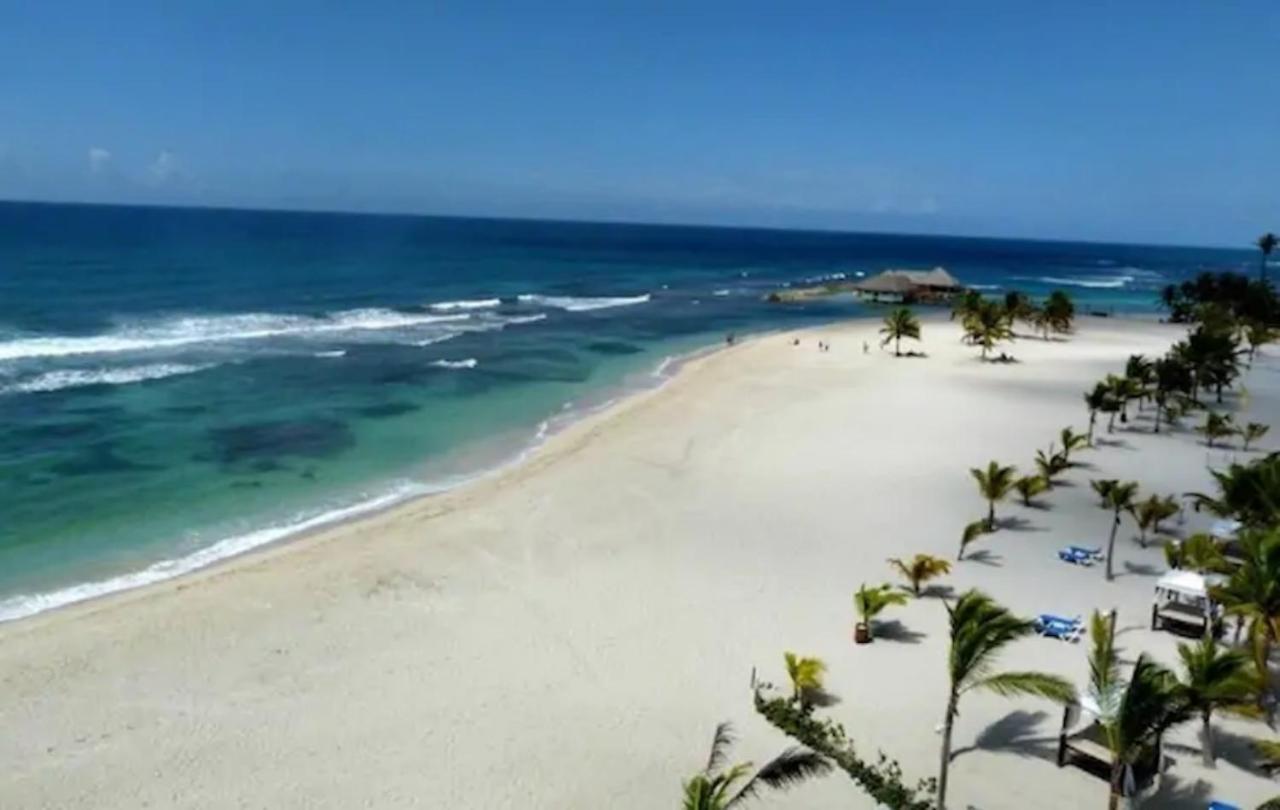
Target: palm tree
1266,243
920,569
1148,514
971,532
980,628
1118,497
986,325
899,324
1133,714
1059,310
1141,370
994,484
806,676
1029,486
1095,401
1213,678
1257,334
715,787
1252,595
871,602
1199,552
1217,426
1071,441
1102,486
1050,465
1248,492
1252,432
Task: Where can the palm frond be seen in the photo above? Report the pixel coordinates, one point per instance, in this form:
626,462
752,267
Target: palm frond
1040,684
721,742
788,769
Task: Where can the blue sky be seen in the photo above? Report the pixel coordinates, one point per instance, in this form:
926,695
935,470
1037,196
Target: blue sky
1126,121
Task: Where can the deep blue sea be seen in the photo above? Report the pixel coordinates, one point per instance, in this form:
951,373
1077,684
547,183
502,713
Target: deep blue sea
180,385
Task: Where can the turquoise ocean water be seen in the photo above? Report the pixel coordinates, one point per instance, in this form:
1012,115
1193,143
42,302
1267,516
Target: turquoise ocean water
177,386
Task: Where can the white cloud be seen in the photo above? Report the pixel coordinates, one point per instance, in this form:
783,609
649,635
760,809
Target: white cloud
99,160
164,168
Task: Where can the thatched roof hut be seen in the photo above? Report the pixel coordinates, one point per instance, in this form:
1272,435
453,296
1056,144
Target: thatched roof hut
935,283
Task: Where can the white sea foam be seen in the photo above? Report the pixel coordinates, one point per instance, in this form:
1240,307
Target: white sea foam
435,339
721,293
215,329
478,303
335,353
17,607
77,378
572,304
1092,282
519,319
470,362
985,287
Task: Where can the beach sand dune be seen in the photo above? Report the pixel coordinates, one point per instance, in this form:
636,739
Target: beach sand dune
567,634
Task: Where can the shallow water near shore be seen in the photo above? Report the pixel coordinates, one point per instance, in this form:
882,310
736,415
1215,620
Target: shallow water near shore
177,386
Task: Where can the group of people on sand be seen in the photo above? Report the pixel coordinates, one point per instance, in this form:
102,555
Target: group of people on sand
823,346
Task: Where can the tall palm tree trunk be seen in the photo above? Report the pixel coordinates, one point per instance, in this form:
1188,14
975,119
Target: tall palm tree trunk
1206,734
1111,545
1117,785
991,516
1093,417
897,344
946,750
1159,409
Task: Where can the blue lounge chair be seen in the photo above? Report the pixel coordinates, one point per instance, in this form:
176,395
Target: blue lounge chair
1222,806
1075,556
1095,553
1050,626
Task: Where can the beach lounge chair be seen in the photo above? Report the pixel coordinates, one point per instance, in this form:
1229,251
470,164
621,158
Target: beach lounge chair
1075,557
1221,806
1095,553
1063,629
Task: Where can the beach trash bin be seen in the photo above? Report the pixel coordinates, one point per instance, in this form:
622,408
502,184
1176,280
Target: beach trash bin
861,633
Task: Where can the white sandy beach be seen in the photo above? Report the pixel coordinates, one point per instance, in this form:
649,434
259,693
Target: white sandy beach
567,634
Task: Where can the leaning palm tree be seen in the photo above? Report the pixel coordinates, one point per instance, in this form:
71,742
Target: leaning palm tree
920,569
716,787
1133,714
972,531
1102,486
1095,401
1252,432
806,676
1214,678
980,628
898,324
994,483
871,601
1118,497
1029,486
1266,243
1217,426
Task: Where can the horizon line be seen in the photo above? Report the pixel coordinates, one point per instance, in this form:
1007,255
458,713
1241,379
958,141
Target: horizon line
622,222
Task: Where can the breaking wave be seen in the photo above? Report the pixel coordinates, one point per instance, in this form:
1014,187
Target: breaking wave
1096,282
77,378
214,329
571,304
470,362
478,303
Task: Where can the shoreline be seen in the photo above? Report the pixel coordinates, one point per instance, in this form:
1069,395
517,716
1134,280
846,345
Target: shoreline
404,493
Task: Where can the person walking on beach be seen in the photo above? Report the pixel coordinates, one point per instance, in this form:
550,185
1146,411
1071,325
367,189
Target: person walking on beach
865,348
